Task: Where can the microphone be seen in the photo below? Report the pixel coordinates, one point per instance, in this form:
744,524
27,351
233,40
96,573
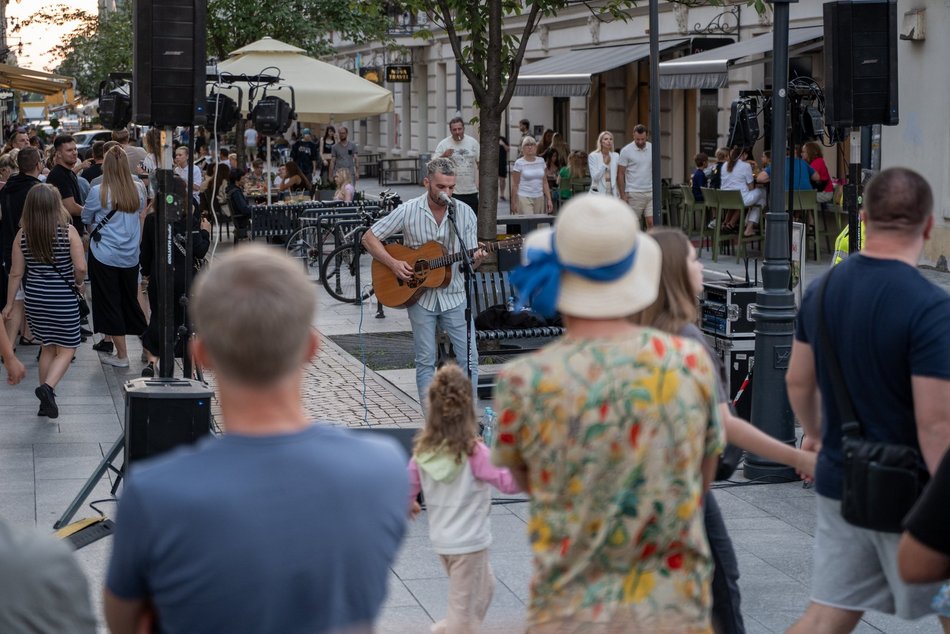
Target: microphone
446,200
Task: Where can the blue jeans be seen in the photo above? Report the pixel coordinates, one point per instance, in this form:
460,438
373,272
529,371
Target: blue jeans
424,323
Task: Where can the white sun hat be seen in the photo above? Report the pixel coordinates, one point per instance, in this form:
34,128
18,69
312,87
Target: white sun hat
594,263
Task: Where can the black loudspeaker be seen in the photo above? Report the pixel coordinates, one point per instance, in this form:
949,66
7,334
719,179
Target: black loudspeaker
161,414
860,63
169,70
743,124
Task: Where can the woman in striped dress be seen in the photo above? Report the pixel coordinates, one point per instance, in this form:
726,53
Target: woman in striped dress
50,250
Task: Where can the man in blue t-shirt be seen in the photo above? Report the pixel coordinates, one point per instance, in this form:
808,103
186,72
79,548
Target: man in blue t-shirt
890,329
804,175
281,525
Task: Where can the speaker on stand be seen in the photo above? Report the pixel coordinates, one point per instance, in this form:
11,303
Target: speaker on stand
168,90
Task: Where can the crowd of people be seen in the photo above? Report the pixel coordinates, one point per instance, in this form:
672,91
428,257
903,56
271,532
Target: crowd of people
64,221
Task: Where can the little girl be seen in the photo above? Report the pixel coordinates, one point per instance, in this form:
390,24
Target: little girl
451,465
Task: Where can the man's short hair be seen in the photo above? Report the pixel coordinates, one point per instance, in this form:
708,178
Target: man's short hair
223,152
440,165
257,163
108,145
525,123
701,159
98,150
898,200
120,136
253,311
27,159
639,129
456,120
62,140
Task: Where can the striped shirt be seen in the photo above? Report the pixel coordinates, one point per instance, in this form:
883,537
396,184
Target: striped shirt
417,224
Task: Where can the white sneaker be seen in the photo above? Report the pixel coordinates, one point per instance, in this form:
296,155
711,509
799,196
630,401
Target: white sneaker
116,362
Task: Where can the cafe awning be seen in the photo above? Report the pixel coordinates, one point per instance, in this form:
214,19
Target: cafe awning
710,69
569,74
18,78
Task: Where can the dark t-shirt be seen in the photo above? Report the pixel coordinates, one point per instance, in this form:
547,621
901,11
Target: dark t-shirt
699,181
279,533
887,324
303,154
68,185
92,172
929,521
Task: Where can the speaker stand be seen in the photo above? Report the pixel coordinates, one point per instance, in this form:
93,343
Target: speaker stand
104,465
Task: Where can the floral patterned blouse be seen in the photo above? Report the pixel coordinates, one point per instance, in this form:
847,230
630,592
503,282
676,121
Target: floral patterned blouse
613,432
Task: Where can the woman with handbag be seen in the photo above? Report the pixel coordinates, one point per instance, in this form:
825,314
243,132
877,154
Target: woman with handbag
49,251
674,311
112,208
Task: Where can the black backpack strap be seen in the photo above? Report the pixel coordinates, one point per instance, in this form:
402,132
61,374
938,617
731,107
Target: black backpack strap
850,425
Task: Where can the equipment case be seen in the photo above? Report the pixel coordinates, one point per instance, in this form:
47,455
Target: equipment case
738,356
726,309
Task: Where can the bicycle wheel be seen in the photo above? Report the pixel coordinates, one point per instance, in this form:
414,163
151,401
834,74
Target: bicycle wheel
339,274
305,244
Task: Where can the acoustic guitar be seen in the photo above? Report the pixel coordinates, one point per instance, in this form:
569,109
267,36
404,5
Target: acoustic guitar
431,267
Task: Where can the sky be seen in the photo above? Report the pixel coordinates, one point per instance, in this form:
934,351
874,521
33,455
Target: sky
39,39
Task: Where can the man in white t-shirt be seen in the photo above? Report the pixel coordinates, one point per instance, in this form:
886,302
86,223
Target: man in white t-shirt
250,143
635,179
463,150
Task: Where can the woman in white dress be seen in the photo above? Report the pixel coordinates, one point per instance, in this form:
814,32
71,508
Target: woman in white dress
602,165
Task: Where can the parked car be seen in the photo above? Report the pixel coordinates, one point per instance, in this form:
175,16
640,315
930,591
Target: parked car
86,138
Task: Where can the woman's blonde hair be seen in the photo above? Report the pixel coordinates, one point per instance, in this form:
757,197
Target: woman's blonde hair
675,305
600,139
345,174
117,183
43,214
450,425
528,140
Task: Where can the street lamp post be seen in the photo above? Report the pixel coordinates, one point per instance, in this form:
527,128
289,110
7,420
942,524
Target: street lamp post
655,108
775,304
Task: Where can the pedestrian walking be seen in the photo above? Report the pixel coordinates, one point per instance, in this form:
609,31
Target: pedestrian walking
113,210
614,429
635,175
452,467
884,331
48,257
675,312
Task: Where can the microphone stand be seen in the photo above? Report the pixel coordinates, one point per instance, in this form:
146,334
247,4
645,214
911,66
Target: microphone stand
469,271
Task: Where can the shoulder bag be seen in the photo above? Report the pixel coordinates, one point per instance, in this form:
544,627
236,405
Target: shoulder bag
81,301
882,481
95,234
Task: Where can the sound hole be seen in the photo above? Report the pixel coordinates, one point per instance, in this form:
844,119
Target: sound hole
420,273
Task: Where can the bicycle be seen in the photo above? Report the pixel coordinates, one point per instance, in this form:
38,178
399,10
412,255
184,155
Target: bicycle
345,273
318,238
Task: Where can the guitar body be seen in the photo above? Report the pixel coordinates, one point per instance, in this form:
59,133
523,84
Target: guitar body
395,293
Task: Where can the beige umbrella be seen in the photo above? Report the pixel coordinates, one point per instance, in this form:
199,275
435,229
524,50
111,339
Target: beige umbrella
323,92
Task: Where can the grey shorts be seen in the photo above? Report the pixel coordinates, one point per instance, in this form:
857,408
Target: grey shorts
856,569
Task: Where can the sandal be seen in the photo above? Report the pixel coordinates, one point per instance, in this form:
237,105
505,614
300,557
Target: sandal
28,342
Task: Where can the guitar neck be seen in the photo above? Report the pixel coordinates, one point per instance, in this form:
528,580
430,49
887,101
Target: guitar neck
452,258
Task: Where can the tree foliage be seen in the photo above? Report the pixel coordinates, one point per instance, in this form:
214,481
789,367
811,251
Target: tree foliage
96,47
309,24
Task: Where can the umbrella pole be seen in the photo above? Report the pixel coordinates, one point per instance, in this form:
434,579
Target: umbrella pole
269,175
